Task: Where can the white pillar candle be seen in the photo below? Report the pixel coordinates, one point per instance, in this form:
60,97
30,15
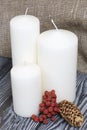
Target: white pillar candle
57,57
26,89
24,30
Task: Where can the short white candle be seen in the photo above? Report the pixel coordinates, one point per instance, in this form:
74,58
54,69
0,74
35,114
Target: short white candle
26,89
24,30
57,57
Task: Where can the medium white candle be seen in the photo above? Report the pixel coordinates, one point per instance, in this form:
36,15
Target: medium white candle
24,30
26,89
57,57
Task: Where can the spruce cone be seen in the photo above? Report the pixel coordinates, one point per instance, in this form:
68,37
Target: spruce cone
70,113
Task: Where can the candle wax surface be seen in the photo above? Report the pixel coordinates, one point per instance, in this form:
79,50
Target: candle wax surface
26,89
24,31
57,58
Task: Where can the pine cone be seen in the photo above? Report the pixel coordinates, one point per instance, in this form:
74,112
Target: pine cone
70,113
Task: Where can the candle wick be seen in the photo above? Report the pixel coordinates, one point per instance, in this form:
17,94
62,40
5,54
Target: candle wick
26,11
52,21
54,24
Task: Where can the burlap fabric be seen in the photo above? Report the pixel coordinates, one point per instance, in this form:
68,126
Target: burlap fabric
67,14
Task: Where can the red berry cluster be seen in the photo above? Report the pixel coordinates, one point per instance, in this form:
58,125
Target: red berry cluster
48,108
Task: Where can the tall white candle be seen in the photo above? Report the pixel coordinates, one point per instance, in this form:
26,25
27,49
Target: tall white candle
26,89
57,57
24,30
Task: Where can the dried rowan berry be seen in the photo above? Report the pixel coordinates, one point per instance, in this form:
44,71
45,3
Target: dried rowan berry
48,103
56,109
53,100
56,104
36,119
46,93
50,109
53,104
49,115
52,91
45,111
53,113
42,109
41,119
53,96
52,118
44,116
33,116
44,97
41,104
48,99
45,121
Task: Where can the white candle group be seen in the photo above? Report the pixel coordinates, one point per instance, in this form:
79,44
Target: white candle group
24,30
57,58
26,89
55,52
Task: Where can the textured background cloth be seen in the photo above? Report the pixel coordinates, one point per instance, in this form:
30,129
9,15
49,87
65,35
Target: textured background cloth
10,121
67,14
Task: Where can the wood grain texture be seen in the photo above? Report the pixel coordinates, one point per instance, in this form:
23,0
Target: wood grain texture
10,121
